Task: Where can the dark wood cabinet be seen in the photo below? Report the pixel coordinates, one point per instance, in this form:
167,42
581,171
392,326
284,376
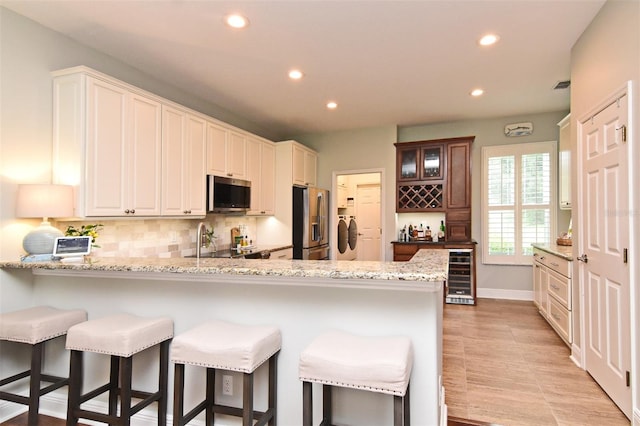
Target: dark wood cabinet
435,176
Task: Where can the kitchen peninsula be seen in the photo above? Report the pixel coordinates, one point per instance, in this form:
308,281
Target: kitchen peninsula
303,298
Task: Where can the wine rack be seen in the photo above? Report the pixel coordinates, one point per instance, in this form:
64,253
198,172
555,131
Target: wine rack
420,197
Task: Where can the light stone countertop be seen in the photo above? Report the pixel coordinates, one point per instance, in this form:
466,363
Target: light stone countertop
564,252
427,270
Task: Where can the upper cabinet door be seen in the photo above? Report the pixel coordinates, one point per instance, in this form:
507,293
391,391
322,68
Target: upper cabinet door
236,155
145,154
183,172
106,167
174,123
407,166
194,168
459,175
216,149
431,161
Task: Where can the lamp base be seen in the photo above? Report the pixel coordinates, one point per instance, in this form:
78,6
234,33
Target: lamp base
41,239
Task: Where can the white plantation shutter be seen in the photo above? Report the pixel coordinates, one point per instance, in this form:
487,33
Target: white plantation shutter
519,191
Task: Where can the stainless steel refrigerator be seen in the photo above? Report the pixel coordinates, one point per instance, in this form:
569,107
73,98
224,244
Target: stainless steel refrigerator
310,223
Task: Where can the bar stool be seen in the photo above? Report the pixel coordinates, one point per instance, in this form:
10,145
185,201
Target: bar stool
120,336
375,364
36,326
219,345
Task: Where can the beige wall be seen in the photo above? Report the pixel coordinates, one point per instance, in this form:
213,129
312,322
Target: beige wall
606,56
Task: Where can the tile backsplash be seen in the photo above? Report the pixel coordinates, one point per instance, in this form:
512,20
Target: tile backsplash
159,237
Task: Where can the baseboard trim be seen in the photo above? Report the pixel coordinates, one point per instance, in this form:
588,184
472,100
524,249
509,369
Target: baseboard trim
499,293
576,355
636,417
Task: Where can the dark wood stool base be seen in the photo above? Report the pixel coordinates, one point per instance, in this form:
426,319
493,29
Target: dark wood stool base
36,377
247,413
119,388
401,409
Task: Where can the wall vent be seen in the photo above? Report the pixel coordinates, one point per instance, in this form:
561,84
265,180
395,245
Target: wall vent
562,85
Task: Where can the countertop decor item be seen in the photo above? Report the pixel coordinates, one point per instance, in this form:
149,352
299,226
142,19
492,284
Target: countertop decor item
45,201
85,231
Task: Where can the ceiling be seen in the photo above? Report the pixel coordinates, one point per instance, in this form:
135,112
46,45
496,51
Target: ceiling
390,62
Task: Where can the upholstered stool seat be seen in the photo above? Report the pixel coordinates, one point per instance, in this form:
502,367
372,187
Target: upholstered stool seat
35,326
375,364
120,336
219,345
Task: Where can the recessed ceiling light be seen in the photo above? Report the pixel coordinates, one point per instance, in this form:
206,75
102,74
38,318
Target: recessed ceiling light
488,40
236,21
332,105
295,74
476,92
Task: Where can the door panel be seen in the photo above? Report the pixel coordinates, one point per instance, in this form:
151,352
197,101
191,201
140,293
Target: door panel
605,218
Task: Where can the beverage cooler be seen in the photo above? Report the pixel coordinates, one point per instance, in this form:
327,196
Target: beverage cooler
460,289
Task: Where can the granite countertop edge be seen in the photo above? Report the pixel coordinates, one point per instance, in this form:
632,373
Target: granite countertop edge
428,267
564,252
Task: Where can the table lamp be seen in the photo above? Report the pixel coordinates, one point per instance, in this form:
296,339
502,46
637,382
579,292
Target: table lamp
45,201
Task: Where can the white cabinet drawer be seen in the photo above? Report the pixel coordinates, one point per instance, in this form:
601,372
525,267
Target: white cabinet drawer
560,288
553,262
560,319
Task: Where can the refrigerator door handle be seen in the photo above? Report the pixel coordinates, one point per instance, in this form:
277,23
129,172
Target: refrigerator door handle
320,217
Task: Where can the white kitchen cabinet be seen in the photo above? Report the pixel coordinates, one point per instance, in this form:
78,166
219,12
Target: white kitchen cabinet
564,163
183,163
226,152
261,163
284,254
302,162
107,144
552,291
304,165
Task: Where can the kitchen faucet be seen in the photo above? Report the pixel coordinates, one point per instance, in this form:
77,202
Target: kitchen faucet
199,238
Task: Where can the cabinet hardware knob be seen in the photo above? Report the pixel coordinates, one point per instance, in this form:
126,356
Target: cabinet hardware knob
133,211
126,211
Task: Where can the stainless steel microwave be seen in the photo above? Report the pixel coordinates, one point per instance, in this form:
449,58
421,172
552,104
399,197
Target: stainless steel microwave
228,195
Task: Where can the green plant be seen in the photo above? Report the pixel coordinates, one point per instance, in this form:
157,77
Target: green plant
85,230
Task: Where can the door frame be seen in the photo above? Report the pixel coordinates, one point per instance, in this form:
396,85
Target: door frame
579,354
333,239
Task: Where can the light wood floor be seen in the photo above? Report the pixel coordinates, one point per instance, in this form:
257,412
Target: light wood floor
504,364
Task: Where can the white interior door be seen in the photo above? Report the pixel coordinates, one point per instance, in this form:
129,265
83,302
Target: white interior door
368,216
604,237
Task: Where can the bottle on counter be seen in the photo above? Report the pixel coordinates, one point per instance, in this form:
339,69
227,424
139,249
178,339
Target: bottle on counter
441,232
427,234
410,231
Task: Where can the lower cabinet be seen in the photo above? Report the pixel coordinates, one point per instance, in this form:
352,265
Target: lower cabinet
552,291
284,254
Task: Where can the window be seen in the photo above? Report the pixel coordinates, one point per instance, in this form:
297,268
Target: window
518,207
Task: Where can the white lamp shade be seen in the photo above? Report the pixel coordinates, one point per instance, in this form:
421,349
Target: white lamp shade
45,201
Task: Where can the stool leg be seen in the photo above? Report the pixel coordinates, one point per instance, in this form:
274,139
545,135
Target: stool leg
163,383
397,410
126,371
327,403
34,382
247,399
273,387
407,413
210,396
178,395
114,374
307,404
75,387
